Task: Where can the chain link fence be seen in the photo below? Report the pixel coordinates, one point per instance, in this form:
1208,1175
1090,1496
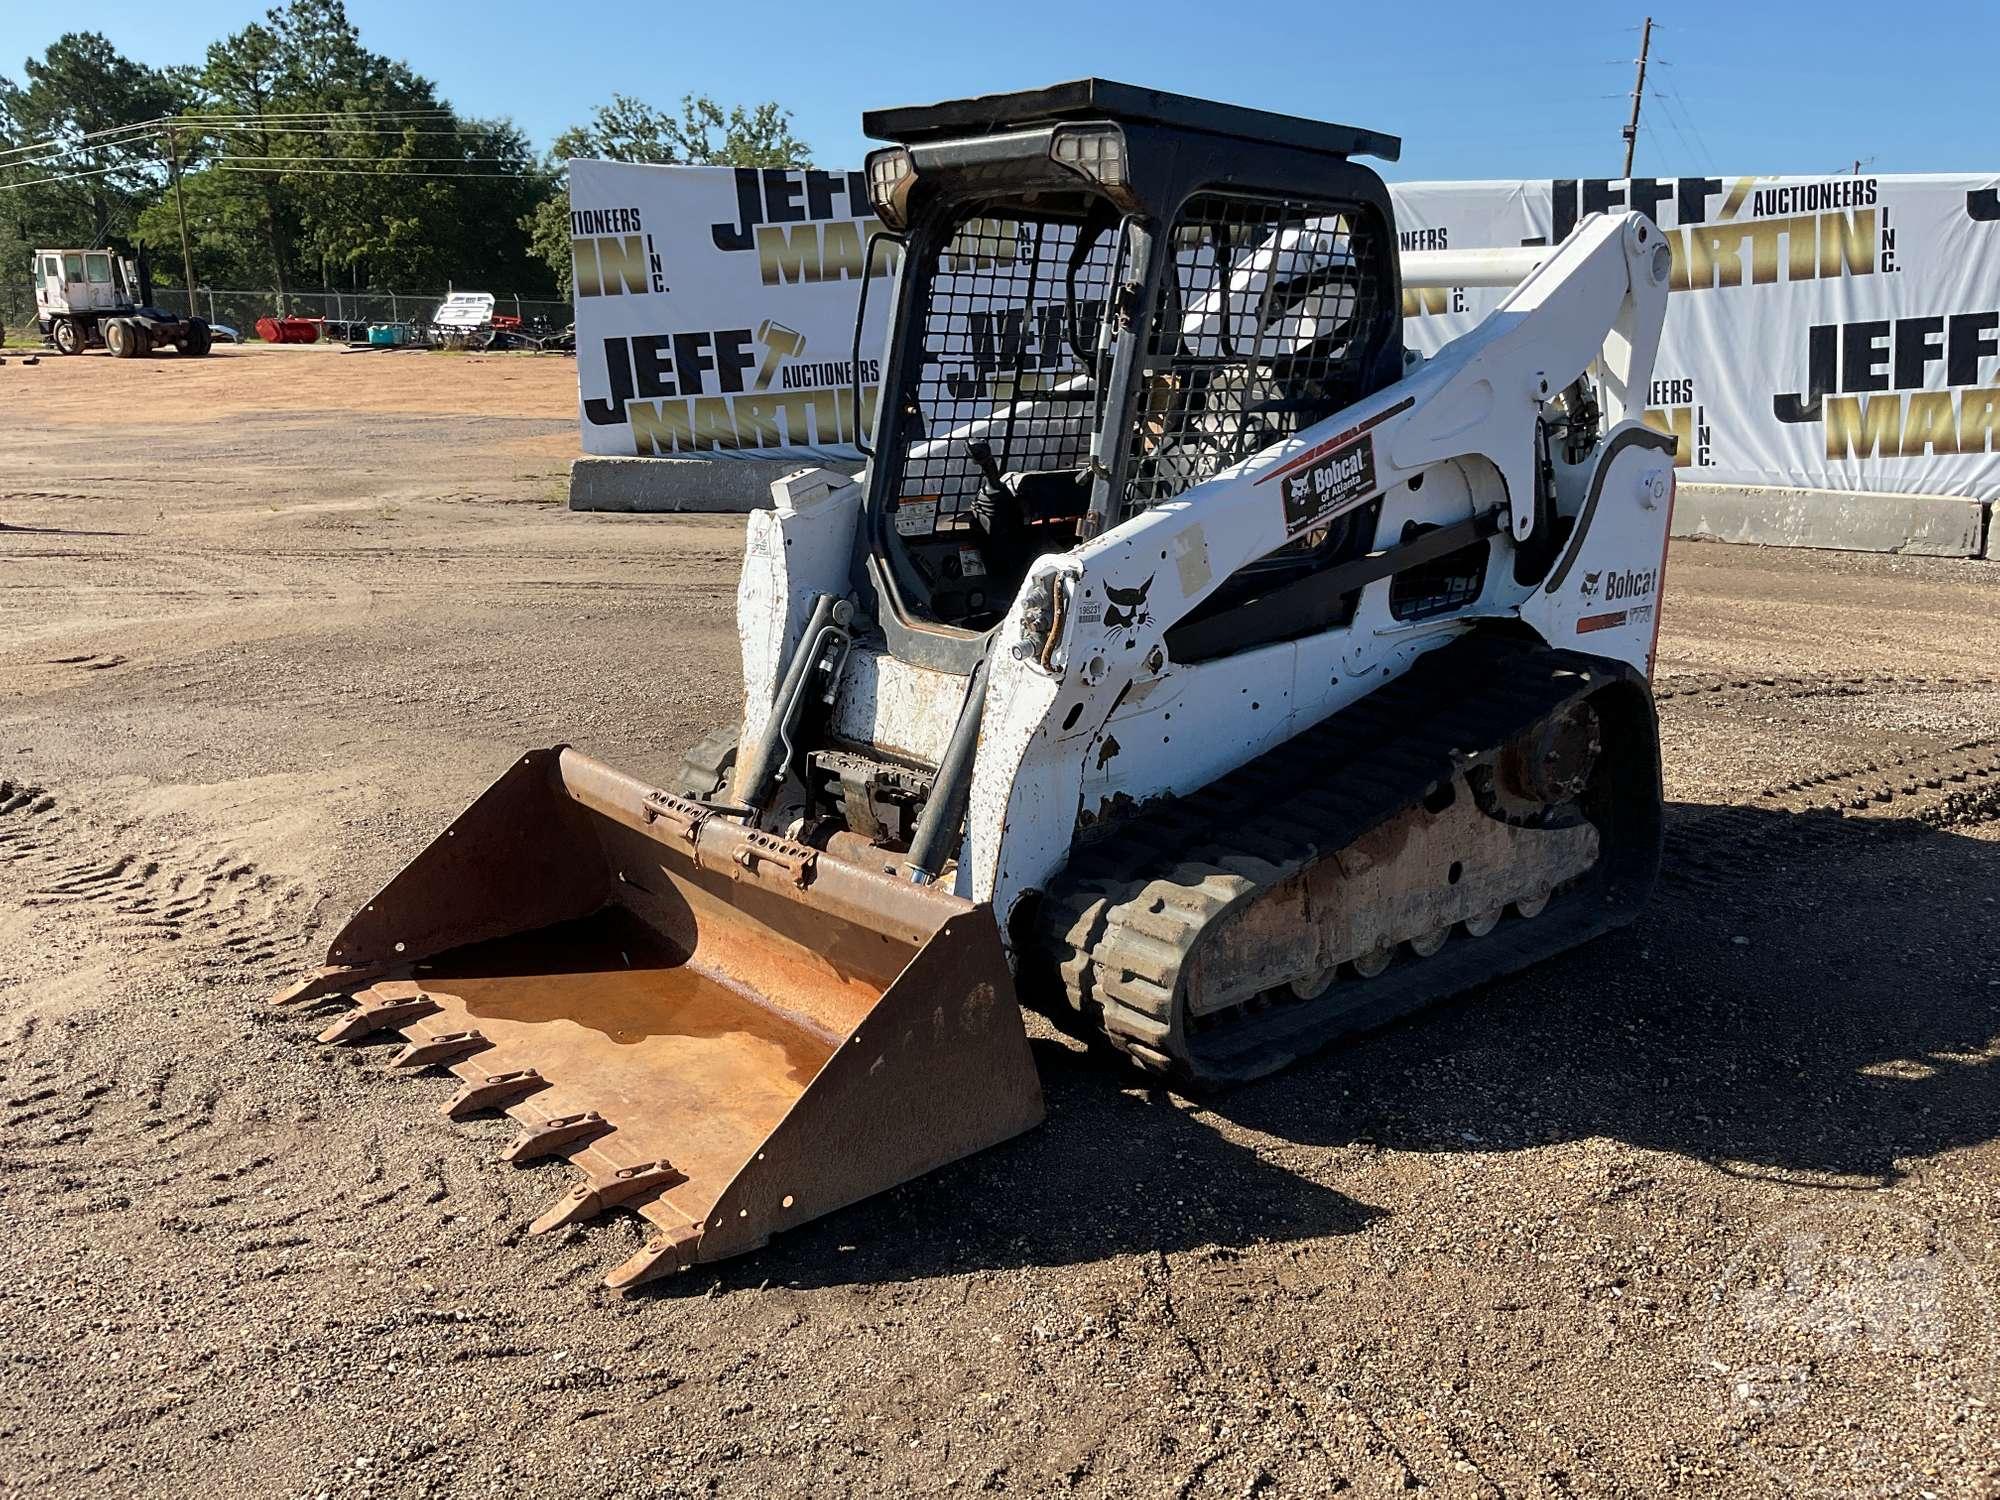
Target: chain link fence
17,313
241,309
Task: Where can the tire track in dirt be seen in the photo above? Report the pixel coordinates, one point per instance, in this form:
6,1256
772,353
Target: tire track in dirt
93,1110
1731,690
28,821
204,1170
140,889
1891,796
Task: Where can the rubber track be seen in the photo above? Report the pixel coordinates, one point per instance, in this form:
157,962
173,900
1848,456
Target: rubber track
1124,916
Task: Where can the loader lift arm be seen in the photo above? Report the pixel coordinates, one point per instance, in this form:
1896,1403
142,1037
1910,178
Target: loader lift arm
1592,308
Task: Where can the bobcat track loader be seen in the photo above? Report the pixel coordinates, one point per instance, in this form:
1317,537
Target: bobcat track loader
1189,656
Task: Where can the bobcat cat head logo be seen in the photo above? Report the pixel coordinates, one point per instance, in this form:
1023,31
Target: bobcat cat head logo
1590,584
1127,607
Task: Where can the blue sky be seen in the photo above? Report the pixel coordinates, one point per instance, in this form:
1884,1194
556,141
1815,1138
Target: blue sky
1475,90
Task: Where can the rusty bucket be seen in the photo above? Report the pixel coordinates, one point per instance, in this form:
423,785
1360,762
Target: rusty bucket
728,1032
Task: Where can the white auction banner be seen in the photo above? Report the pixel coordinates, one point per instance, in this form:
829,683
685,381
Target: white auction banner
1824,332
715,309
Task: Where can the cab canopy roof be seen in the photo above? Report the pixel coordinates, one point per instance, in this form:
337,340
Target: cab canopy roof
1101,99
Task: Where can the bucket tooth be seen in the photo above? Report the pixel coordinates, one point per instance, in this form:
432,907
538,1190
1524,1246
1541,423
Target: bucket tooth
381,1015
446,1047
494,1091
324,982
663,1254
589,1199
555,1136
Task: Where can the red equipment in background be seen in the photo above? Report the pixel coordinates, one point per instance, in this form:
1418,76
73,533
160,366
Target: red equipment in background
289,330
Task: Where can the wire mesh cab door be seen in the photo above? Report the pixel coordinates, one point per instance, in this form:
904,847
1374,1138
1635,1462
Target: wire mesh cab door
1266,319
1271,311
1000,388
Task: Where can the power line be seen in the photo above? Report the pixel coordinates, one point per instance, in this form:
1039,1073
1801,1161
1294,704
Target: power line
255,158
1679,106
302,114
318,128
389,168
67,177
319,121
56,158
1677,115
315,119
1673,124
362,172
130,134
1675,102
290,124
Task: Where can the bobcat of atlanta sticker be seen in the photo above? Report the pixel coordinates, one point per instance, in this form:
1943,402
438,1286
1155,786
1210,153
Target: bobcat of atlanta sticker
1319,492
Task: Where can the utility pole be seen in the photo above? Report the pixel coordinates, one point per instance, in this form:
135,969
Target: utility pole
180,210
1638,91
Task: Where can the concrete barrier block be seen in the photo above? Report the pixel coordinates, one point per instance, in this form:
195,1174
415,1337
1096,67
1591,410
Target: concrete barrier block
730,485
1836,520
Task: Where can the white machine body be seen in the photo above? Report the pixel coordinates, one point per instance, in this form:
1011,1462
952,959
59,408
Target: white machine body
1101,716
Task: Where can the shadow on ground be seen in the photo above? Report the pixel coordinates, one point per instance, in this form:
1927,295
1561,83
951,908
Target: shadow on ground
1807,997
55,531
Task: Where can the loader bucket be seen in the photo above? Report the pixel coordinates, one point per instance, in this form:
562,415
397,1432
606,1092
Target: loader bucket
728,1032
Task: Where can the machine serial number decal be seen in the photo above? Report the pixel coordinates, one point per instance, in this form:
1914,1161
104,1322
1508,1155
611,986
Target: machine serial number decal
1317,493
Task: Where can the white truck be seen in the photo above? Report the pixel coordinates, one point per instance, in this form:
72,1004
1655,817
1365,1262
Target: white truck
92,298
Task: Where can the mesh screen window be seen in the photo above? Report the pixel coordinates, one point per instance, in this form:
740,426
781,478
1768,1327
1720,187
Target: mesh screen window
998,361
1260,331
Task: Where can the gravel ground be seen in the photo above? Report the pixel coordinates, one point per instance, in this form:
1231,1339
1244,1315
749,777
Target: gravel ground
1708,1208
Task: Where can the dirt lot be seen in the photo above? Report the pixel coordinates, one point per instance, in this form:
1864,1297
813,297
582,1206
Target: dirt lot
1711,1208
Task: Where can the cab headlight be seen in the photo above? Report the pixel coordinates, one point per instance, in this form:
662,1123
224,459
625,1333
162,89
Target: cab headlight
891,175
1093,151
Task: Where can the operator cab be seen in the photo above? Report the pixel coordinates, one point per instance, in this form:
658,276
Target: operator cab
85,281
1107,295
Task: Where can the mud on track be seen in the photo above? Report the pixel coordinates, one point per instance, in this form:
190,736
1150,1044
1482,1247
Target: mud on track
1535,1243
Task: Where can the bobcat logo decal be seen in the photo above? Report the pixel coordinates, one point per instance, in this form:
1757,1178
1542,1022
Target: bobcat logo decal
1590,585
1127,608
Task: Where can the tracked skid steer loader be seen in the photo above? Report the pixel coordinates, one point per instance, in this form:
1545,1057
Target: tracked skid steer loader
1189,657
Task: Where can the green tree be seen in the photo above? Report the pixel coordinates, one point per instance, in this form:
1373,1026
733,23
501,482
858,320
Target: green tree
308,158
410,201
703,134
319,161
79,89
246,74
